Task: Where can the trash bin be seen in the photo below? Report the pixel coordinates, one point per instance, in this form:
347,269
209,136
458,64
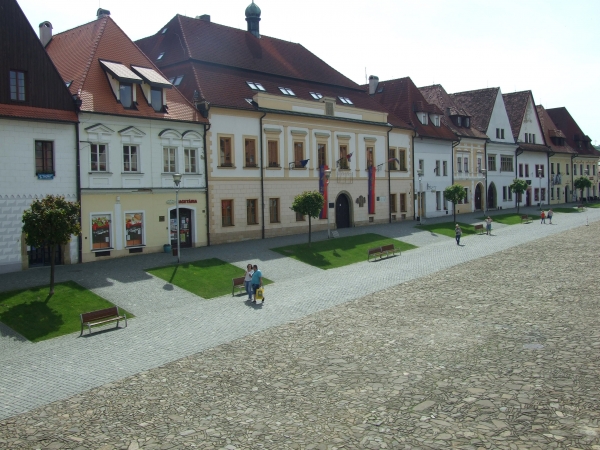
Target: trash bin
167,248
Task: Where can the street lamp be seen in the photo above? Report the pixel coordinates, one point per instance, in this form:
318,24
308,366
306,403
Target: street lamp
420,174
327,176
177,180
540,177
485,194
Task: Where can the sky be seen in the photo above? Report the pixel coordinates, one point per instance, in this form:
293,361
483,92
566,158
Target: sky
550,47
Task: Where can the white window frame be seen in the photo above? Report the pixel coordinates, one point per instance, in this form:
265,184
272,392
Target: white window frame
97,145
172,151
187,152
138,160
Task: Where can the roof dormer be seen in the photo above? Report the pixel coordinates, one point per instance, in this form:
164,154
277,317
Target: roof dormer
122,81
154,87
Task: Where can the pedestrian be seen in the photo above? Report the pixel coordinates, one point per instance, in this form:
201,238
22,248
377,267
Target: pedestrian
543,216
458,233
488,226
550,214
248,280
256,282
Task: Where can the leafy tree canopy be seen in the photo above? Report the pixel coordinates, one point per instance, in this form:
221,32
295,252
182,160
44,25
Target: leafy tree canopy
455,193
52,221
309,203
582,183
518,186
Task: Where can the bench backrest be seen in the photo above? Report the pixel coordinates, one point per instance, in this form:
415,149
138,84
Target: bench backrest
237,281
374,250
100,314
478,226
387,248
525,217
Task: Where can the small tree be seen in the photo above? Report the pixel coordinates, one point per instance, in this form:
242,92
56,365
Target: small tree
455,194
309,203
581,183
51,221
518,187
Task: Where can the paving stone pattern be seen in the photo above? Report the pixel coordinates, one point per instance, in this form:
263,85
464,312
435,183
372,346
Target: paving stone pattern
479,347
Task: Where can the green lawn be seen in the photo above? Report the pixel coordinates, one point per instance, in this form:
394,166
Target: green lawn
506,219
207,278
37,317
566,210
592,205
447,228
339,252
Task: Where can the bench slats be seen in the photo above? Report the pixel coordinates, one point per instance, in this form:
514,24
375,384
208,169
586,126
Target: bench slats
237,283
100,317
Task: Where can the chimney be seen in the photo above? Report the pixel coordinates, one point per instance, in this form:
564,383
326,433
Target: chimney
205,17
45,32
373,82
102,13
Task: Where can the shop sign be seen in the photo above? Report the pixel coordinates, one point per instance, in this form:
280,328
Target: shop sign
188,201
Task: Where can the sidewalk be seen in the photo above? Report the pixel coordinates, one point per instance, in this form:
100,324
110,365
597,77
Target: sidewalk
172,323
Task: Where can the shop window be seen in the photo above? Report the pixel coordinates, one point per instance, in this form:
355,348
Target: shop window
134,229
101,232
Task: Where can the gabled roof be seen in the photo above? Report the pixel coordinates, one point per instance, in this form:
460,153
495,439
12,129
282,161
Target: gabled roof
402,98
78,53
480,103
438,96
550,131
516,105
186,38
576,138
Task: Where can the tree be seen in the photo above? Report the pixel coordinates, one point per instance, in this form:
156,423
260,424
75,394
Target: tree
518,187
455,194
581,183
51,221
309,203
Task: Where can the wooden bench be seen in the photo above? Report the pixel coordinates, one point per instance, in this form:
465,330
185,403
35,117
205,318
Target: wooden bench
100,317
238,283
525,218
479,227
581,207
373,251
387,249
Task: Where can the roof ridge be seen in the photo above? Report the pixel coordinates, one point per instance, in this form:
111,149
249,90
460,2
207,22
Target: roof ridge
476,90
187,47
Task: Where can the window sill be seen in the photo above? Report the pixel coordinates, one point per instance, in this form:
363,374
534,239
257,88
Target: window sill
251,224
192,174
226,167
100,172
135,246
275,222
105,249
132,173
227,226
251,167
273,168
344,169
299,168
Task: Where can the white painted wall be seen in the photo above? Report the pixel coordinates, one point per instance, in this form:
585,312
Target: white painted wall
499,119
429,151
531,124
499,178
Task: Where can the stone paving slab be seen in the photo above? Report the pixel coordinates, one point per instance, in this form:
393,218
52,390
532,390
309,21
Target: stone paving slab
500,351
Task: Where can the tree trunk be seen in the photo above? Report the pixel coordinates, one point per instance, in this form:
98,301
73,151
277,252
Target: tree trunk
52,250
309,230
454,211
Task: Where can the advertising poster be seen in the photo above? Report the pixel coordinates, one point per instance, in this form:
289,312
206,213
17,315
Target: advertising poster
133,229
101,231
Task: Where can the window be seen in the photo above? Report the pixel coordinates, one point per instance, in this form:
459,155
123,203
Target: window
574,169
300,217
402,202
552,168
255,86
393,204
101,224
445,168
344,157
478,165
530,138
438,200
558,168
504,189
551,194
567,168
557,193
191,160
539,167
346,100
225,156
435,119
402,158
509,195
466,195
588,169
491,164
251,212
274,210
286,91
521,170
250,152
44,157
594,170
299,153
316,95
176,81
322,154
126,95
370,157
459,163
543,194
527,170
437,168
467,122
130,158
169,159
227,213
160,56
459,121
393,164
466,164
422,165
423,118
273,147
156,99
17,85
498,133
98,157
134,227
536,195
506,163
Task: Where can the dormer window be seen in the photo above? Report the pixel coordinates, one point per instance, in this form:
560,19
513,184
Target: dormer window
153,87
126,94
164,30
286,91
459,121
423,118
160,56
467,122
156,99
68,84
435,120
255,86
316,95
346,101
122,81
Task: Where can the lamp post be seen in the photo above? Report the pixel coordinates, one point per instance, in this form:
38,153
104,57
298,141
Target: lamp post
540,177
420,197
177,180
327,176
485,193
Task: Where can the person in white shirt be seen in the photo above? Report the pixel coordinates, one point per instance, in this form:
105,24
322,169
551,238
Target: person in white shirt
248,280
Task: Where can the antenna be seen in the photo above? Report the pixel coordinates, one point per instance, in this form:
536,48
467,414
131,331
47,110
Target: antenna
366,80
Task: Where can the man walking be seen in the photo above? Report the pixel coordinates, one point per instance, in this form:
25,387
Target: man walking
550,214
256,282
457,234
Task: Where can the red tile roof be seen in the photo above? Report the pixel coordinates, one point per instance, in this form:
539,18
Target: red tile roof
76,54
438,96
516,105
199,40
480,103
550,130
402,98
30,112
576,138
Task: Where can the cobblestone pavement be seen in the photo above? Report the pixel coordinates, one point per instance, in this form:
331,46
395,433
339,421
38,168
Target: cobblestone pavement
500,350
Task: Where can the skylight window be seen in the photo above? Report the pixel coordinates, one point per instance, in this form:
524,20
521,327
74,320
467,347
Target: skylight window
255,86
68,83
346,100
249,100
316,95
160,56
177,80
286,91
164,30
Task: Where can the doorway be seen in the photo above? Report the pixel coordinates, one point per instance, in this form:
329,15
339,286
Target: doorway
342,211
478,197
528,197
491,197
185,227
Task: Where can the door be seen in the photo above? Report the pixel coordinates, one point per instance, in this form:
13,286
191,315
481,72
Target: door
342,211
491,197
528,197
41,256
478,197
185,228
